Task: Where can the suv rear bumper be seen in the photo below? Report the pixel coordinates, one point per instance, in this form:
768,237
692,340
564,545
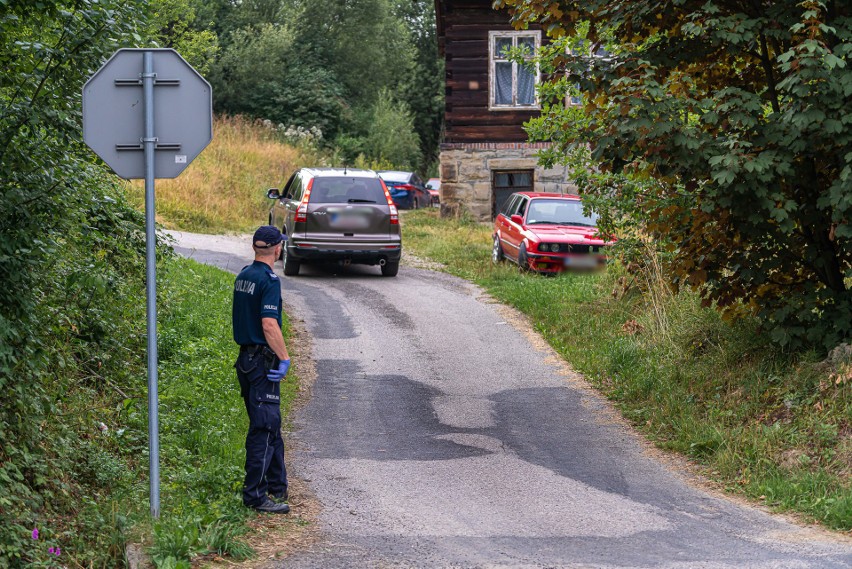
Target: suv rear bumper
359,253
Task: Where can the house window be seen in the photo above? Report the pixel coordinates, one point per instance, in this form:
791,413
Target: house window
512,85
576,99
505,183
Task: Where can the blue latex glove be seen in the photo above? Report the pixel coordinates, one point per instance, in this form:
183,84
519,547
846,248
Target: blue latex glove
278,373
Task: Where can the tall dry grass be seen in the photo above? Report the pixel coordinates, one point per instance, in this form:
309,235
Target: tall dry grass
224,189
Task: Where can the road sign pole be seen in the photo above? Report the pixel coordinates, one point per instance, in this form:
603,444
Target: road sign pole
149,142
123,133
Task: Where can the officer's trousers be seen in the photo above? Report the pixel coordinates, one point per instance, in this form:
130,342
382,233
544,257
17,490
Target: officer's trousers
265,470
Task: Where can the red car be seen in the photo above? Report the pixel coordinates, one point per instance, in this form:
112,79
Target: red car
434,187
547,233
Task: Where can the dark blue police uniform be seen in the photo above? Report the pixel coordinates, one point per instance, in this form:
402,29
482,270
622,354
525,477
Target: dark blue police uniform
257,295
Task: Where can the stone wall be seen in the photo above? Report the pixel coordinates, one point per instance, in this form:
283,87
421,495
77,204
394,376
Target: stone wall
466,175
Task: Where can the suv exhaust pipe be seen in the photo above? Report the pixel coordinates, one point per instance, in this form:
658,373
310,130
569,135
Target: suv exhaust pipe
382,262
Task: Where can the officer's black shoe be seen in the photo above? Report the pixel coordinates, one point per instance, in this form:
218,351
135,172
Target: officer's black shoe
271,507
279,497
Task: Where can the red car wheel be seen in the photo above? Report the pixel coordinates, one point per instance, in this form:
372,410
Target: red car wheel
523,260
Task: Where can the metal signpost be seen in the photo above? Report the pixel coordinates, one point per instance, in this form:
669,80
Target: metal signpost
147,113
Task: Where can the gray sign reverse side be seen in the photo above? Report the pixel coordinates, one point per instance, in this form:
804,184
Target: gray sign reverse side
114,120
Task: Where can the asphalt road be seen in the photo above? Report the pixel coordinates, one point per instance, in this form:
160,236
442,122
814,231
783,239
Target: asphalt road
441,435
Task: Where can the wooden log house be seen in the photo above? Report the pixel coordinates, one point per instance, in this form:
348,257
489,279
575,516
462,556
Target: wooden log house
485,155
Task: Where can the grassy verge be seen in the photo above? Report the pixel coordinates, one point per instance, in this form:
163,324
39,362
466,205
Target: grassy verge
773,426
102,478
224,189
203,420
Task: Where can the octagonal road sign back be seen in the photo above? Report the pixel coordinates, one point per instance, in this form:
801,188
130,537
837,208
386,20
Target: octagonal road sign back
114,118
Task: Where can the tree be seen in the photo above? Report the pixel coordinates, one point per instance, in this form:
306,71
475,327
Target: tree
172,24
223,17
309,63
391,137
314,63
364,43
261,73
423,89
735,117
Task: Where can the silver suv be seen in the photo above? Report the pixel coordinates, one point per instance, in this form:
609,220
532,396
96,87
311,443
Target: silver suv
337,214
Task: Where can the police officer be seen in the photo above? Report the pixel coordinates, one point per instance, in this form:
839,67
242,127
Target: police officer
262,364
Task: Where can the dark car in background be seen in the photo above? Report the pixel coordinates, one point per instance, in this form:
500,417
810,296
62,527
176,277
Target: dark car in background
434,187
547,233
339,215
406,189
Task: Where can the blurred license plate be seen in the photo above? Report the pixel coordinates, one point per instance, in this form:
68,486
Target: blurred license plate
349,220
582,262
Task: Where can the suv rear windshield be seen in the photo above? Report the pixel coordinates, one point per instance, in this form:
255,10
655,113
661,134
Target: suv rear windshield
347,190
395,177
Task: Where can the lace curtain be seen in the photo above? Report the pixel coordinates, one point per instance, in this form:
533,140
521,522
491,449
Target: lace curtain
526,86
503,83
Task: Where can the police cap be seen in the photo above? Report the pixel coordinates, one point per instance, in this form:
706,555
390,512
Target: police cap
267,236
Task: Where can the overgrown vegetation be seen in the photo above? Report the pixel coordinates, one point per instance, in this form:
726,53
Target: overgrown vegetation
73,405
724,129
71,262
92,496
775,426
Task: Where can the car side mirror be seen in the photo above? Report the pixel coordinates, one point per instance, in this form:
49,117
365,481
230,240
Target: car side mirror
273,194
517,219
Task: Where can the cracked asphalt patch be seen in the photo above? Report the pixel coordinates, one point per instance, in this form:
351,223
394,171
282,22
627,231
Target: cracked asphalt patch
438,436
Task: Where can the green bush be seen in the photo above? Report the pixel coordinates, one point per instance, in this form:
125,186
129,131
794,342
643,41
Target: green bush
263,74
391,136
733,119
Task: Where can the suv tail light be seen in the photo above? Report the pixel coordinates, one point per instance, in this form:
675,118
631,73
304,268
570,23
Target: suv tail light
302,211
394,214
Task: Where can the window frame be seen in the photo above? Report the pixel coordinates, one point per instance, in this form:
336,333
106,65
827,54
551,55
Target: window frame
492,77
592,53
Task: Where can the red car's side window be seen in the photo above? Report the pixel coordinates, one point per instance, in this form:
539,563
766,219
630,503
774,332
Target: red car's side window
510,206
